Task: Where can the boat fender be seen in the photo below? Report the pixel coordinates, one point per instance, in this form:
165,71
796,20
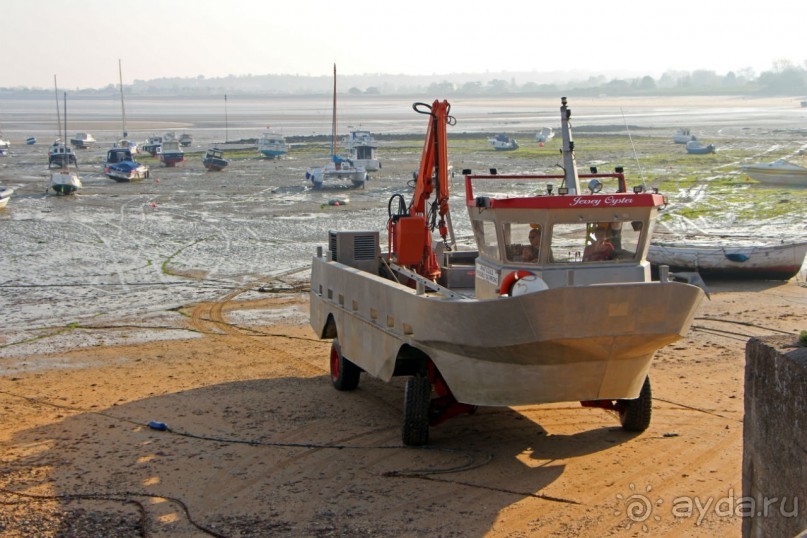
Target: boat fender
529,282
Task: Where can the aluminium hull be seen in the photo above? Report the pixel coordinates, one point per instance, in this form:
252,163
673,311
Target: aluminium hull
563,344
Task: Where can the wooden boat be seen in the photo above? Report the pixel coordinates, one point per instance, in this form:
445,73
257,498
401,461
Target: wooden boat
502,142
695,147
778,172
779,260
5,195
493,325
170,153
338,168
214,160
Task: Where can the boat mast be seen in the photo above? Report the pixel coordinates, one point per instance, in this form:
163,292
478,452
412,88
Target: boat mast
58,113
122,108
570,179
333,121
65,117
226,134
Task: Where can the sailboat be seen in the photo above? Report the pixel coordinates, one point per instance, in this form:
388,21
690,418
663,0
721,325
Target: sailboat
124,142
338,167
120,164
214,159
64,181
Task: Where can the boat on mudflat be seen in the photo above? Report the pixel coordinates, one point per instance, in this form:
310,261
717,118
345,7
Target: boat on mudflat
696,147
502,142
214,160
555,304
272,145
82,141
682,136
778,172
545,135
121,166
361,146
5,195
170,152
731,258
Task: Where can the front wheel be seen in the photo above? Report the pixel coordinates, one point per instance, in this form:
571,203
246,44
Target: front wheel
417,400
634,415
344,374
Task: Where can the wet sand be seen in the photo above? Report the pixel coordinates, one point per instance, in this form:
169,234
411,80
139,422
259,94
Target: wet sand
182,300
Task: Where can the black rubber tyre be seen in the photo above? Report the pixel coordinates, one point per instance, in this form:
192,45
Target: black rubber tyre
634,415
417,399
344,374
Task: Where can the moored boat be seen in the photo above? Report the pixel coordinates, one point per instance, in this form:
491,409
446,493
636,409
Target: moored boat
272,145
502,142
731,258
695,147
171,153
185,140
545,135
65,181
682,136
338,168
361,147
5,195
31,140
121,166
778,172
214,160
152,145
82,141
556,303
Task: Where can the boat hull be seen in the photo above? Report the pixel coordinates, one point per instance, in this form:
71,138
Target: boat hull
5,196
761,262
557,345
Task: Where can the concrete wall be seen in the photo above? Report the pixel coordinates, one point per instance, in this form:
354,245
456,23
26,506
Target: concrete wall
775,438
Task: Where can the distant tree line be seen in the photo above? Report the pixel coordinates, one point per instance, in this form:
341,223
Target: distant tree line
783,79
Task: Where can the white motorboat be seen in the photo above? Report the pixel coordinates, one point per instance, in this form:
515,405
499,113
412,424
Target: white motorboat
778,172
502,142
5,195
82,141
682,136
361,146
511,322
545,135
272,145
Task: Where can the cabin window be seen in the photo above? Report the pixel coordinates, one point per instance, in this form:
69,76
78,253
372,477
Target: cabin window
485,232
522,241
595,242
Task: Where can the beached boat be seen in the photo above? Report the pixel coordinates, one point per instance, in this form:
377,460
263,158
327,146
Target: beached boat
82,141
778,172
361,147
730,257
152,145
185,140
170,153
124,142
31,140
272,145
502,142
338,168
214,160
121,166
65,181
682,136
60,154
530,316
4,144
545,134
5,195
695,147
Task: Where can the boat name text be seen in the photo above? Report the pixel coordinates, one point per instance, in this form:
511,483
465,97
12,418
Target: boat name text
601,200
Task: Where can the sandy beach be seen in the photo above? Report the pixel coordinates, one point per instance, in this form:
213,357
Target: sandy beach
159,376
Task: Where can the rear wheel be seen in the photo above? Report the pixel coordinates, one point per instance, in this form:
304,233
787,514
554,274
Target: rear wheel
344,374
417,399
634,415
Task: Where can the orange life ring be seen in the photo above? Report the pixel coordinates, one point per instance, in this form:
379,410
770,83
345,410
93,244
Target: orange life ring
506,286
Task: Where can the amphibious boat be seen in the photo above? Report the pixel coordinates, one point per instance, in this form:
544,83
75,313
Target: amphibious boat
555,304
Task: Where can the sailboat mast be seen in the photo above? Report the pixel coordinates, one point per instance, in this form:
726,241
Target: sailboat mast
122,108
333,121
58,114
65,117
226,129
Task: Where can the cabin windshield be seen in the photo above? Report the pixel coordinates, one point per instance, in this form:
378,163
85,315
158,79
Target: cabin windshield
577,242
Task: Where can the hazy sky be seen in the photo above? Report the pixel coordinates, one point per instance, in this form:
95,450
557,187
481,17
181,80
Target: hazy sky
81,41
